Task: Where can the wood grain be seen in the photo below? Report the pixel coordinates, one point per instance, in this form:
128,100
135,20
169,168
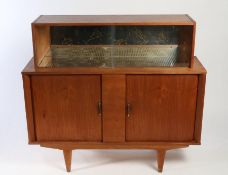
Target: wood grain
65,107
41,42
181,19
29,108
187,44
115,145
163,107
113,99
199,107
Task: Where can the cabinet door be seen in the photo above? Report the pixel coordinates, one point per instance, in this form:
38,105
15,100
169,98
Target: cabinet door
65,107
162,107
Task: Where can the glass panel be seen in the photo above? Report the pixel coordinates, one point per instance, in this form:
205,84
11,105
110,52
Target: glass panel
114,35
114,46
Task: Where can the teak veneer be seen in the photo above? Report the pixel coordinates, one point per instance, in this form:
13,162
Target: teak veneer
70,108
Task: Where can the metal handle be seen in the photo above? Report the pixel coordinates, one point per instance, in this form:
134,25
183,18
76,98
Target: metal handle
99,108
128,109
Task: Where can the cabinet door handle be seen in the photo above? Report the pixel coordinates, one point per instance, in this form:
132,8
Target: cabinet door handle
99,108
128,109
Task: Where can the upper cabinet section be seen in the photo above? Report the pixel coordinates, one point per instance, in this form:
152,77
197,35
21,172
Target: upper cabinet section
114,41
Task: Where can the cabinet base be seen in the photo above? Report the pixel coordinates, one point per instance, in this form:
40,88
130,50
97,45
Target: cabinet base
69,147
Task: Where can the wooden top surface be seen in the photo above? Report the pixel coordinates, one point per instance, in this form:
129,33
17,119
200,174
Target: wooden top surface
114,20
196,69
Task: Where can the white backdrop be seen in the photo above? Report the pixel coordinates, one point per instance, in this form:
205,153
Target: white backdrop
16,50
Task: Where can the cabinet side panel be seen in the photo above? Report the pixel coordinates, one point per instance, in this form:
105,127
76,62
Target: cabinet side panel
41,42
199,107
113,99
162,107
186,44
29,108
65,107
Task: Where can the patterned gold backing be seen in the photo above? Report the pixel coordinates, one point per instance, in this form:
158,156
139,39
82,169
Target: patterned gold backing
111,56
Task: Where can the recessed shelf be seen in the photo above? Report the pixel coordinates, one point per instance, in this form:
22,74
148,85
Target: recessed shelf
111,56
113,46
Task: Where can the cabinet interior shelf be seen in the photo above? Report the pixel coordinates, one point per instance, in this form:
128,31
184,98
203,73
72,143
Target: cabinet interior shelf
111,56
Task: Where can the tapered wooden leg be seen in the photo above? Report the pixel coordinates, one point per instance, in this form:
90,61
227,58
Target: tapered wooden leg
67,156
160,159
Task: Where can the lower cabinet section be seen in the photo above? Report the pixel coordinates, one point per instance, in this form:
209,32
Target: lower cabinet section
135,107
112,109
154,111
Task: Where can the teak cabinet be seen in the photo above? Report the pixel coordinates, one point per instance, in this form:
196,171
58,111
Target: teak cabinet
129,105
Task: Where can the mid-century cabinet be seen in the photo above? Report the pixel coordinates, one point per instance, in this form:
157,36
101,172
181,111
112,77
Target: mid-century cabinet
114,82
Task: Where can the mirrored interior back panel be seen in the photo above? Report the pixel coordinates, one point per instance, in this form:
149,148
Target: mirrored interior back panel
118,46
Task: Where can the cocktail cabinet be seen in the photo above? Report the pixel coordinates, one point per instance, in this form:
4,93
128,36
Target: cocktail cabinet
114,82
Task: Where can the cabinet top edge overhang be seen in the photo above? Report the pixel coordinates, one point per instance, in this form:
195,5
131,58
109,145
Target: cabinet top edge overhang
90,20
